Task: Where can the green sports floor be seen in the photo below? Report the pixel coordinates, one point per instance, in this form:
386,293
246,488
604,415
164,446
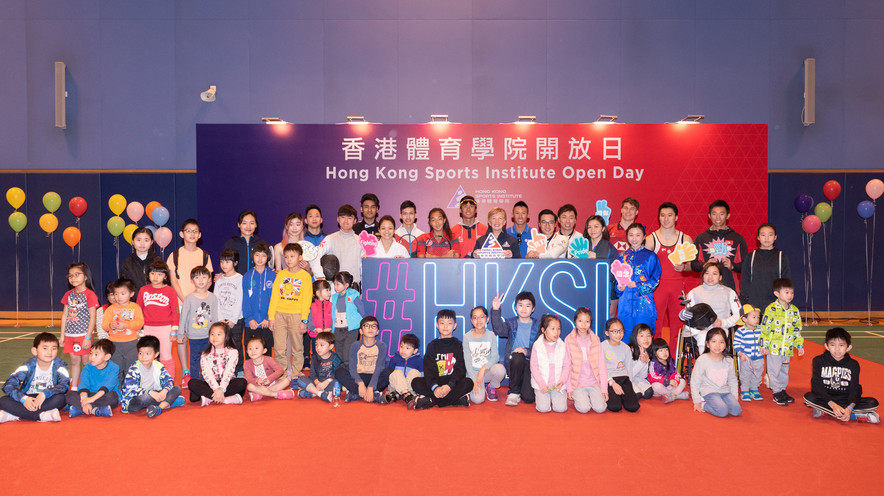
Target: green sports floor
15,343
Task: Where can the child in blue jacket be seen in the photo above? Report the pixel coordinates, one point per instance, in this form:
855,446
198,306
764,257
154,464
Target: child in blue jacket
35,391
404,367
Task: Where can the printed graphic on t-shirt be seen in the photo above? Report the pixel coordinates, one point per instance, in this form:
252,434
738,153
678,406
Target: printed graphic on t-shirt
325,368
290,288
203,316
156,299
445,363
123,316
42,381
610,356
78,315
366,359
259,372
837,378
479,353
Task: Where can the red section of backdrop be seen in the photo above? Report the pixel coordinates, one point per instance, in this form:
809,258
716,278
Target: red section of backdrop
545,165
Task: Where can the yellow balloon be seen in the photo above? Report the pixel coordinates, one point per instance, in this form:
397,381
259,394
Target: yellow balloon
128,232
15,197
117,204
48,223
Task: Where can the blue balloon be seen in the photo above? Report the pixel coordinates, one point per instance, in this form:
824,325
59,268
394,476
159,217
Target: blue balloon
153,229
160,215
803,202
865,209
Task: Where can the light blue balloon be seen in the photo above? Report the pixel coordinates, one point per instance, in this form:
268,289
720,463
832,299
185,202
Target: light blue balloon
865,209
160,215
153,229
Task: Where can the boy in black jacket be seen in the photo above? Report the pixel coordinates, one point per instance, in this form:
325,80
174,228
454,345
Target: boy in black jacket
834,384
445,380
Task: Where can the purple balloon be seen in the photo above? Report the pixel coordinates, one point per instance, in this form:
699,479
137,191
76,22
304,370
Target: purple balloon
865,209
803,202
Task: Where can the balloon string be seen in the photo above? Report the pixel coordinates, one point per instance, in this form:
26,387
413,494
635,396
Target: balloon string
828,282
51,277
16,280
810,274
804,259
77,258
117,245
868,275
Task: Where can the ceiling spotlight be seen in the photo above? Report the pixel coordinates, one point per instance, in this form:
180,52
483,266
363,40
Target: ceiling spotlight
273,120
438,119
692,119
605,119
356,119
526,119
209,94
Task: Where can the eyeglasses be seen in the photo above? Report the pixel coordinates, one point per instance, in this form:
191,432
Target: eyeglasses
548,222
72,275
371,326
616,331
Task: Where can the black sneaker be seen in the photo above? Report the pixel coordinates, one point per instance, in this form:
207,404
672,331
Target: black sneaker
787,397
463,400
392,397
422,403
780,399
408,399
379,398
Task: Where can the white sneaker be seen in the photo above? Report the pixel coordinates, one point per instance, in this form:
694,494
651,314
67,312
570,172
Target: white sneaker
205,401
50,416
7,417
512,399
871,417
684,395
233,400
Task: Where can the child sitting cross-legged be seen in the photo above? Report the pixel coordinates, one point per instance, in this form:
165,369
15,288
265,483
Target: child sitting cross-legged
663,373
35,391
445,380
263,375
366,375
404,367
218,367
148,386
99,391
323,364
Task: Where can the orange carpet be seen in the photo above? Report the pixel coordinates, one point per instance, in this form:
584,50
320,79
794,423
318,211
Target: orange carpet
306,446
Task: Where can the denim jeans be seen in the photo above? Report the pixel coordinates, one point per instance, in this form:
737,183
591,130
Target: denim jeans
196,350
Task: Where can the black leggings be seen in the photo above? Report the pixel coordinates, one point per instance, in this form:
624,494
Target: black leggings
422,386
629,401
200,389
109,398
15,408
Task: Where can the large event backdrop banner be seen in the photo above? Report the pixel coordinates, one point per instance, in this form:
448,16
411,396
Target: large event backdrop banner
406,294
282,168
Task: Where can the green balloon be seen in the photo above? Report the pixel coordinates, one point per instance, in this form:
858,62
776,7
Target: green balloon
823,211
51,201
115,225
17,221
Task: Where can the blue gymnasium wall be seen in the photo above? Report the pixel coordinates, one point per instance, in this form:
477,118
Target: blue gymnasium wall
135,70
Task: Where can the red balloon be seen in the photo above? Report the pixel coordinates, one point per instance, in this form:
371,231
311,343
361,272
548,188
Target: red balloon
832,189
811,224
77,206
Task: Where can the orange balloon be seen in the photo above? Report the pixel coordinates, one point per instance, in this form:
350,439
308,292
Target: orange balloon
71,236
149,209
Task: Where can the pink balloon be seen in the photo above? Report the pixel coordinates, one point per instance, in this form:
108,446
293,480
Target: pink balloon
875,188
811,224
135,211
163,237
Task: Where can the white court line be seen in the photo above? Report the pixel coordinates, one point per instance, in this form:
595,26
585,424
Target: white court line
29,334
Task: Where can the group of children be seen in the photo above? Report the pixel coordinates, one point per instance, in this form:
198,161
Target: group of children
266,299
